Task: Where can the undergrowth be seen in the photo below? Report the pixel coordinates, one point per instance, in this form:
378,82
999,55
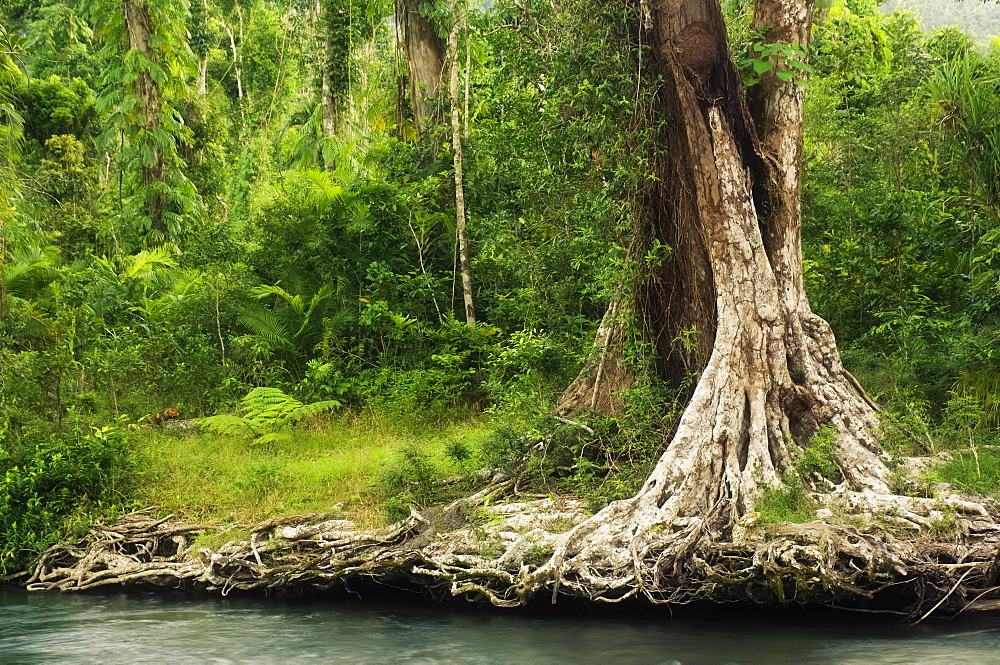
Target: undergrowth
976,470
54,486
338,463
788,502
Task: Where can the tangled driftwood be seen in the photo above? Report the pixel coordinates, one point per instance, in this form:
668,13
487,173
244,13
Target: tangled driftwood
502,552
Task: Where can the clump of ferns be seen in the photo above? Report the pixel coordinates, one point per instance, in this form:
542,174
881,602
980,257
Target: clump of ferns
266,415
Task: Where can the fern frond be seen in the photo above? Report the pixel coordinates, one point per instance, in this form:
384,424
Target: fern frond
266,414
263,395
307,410
266,326
230,425
262,399
271,437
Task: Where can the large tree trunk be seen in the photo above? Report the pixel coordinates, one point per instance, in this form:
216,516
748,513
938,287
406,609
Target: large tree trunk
730,205
147,92
202,75
425,54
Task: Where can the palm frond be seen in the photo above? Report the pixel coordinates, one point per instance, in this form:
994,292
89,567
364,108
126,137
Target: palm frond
147,261
295,302
324,293
983,388
266,326
308,140
24,316
338,322
26,266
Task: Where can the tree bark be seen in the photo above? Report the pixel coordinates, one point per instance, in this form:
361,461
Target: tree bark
336,50
199,39
237,59
773,376
456,145
329,104
600,386
203,75
425,55
147,92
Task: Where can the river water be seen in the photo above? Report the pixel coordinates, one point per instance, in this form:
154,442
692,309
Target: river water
108,629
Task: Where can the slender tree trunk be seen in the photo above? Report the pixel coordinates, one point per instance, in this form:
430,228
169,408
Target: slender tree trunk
425,55
468,74
237,67
203,75
329,104
456,144
328,97
3,259
147,92
238,55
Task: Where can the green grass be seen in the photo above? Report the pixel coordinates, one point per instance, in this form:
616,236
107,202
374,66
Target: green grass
786,503
982,476
329,464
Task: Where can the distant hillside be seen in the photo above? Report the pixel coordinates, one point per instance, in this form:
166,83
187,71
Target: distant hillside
979,19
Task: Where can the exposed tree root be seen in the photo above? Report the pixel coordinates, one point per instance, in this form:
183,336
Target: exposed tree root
513,553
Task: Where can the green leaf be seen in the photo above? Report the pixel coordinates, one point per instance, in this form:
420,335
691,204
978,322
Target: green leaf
229,425
148,155
761,66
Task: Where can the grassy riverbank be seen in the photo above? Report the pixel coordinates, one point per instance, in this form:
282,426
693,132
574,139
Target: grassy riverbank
335,462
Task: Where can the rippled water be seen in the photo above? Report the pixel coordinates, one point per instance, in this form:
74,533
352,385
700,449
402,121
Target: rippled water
43,628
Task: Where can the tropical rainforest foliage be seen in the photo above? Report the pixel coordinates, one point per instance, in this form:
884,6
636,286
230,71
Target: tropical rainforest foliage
202,200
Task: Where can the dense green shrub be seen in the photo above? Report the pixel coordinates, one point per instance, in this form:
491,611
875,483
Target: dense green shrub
51,482
53,106
411,479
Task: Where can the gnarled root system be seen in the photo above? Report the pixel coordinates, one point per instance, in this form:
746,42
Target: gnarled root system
511,553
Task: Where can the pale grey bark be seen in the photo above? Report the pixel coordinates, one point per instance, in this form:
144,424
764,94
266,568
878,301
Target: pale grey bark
456,146
604,379
773,376
329,109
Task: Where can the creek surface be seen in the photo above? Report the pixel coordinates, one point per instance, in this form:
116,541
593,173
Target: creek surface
133,628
